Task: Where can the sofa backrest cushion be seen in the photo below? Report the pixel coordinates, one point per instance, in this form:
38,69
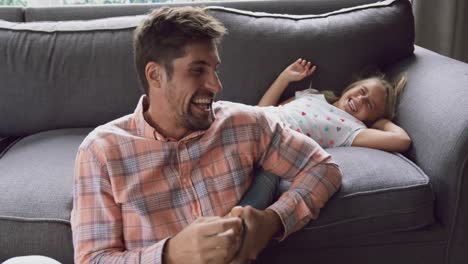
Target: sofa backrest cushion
81,73
12,13
341,44
66,74
85,12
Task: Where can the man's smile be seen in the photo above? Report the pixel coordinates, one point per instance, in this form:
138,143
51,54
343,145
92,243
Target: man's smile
202,103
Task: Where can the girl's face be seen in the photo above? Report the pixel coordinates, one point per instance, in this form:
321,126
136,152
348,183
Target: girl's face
365,100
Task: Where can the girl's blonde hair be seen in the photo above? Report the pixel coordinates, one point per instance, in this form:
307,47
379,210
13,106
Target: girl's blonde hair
393,91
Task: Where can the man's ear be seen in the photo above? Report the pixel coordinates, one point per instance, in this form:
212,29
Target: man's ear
153,72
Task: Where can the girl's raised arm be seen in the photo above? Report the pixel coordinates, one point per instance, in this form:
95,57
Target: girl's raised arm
297,71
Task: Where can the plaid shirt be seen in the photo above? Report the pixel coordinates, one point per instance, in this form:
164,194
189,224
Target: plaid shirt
135,188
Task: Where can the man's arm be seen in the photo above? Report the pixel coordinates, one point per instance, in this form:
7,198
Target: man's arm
314,176
98,228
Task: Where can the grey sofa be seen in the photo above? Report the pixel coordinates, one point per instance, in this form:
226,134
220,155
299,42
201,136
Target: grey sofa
59,79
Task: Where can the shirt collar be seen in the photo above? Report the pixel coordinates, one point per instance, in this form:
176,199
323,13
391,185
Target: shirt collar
147,131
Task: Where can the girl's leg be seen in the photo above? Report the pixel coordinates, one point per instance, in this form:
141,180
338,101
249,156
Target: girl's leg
262,192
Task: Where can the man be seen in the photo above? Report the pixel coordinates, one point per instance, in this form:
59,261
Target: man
161,185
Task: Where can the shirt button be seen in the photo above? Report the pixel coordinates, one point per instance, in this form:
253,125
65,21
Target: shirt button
184,180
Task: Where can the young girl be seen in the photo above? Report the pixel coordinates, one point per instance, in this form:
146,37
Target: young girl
360,117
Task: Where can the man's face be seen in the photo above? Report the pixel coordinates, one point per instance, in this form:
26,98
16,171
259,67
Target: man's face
190,91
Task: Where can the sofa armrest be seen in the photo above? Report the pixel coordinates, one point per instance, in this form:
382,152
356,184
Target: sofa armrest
6,143
434,111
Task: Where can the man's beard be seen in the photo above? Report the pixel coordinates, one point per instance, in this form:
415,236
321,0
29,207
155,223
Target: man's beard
187,119
193,123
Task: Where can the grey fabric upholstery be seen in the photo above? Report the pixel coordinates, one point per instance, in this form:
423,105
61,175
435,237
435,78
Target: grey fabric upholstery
80,74
428,113
434,112
349,252
381,192
95,12
50,155
13,14
36,176
36,237
6,143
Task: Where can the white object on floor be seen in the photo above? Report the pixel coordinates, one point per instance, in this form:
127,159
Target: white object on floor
31,260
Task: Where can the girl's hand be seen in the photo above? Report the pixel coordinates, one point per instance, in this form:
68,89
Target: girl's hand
297,71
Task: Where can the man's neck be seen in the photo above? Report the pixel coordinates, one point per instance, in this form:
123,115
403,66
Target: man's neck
164,125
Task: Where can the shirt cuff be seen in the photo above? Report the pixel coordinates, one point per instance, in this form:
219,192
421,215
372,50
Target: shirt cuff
293,214
278,208
154,253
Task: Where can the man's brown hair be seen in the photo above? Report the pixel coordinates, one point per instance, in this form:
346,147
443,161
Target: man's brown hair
164,34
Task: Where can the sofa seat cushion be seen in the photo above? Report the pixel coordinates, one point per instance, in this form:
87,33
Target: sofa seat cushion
381,192
36,176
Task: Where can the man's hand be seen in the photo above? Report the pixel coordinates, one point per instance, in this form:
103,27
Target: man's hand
207,240
261,226
297,71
